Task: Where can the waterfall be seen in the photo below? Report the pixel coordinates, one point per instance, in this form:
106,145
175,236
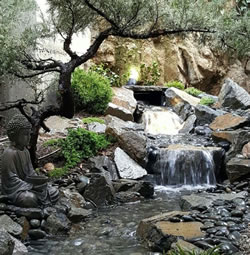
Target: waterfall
159,120
185,165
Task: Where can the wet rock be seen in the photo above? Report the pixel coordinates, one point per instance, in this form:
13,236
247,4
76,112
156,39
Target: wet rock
74,198
127,197
228,248
188,125
186,246
57,223
203,130
78,214
233,96
237,168
19,248
36,234
35,223
205,114
103,163
228,121
144,188
127,167
100,190
6,243
7,224
237,213
29,213
159,233
207,199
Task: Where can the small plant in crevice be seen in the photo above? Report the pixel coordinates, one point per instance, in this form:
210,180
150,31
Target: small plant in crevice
52,142
207,101
193,91
181,251
175,84
81,144
58,172
92,119
150,75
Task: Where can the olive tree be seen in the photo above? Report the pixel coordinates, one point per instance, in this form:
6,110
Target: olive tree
222,23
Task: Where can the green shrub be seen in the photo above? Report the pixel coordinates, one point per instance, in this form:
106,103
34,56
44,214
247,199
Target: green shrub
58,172
175,84
113,78
91,91
81,144
150,75
92,119
193,91
181,251
207,101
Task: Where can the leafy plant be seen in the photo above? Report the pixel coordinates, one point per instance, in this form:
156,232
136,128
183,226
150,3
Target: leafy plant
175,84
193,91
207,101
150,74
58,172
91,91
51,142
92,119
181,251
113,78
81,144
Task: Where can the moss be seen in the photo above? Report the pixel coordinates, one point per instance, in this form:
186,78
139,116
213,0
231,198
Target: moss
92,119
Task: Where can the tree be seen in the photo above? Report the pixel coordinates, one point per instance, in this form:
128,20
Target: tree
137,19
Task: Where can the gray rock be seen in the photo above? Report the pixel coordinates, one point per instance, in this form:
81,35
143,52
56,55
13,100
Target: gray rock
10,226
100,190
57,224
103,163
127,167
188,125
96,127
78,214
19,248
73,198
205,114
30,213
35,223
36,234
6,243
234,96
206,199
237,168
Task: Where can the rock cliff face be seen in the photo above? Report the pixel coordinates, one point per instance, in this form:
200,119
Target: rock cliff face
179,59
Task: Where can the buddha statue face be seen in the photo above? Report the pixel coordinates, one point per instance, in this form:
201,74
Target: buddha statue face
18,131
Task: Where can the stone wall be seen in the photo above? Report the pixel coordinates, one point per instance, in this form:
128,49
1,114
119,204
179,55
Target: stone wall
179,59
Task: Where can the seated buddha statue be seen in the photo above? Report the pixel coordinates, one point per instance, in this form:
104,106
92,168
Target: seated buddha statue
17,170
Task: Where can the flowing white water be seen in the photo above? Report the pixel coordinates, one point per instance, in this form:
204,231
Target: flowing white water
159,120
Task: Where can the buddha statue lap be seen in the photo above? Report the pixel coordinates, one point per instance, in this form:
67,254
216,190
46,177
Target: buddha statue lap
18,177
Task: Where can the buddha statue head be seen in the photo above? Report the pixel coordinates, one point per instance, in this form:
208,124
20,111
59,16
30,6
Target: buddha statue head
18,131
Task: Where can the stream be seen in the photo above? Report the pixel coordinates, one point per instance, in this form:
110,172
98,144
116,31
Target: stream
113,229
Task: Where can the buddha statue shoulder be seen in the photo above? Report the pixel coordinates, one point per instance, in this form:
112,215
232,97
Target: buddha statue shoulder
20,182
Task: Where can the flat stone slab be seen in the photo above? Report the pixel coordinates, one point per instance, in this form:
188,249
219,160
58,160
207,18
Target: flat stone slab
206,199
184,229
227,121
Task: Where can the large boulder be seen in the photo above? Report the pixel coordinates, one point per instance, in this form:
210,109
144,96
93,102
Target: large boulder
158,233
237,169
6,243
127,167
228,121
100,190
205,114
123,104
234,96
181,102
130,137
7,224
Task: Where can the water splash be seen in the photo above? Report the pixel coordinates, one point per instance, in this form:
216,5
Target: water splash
159,120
